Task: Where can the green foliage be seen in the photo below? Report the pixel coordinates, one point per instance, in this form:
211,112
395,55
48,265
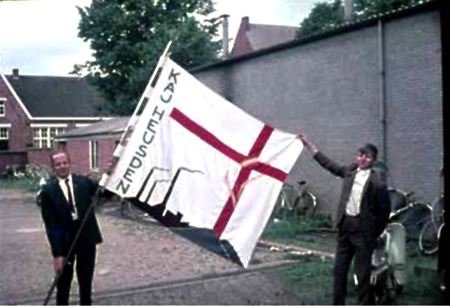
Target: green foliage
367,8
292,228
324,16
22,184
328,15
128,36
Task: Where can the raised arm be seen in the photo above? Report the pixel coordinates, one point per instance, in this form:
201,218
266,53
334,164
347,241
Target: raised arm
308,144
321,158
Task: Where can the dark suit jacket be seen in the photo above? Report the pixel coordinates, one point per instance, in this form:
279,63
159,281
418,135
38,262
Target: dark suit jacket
60,227
375,203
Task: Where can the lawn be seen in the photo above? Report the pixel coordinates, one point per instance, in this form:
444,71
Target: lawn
312,276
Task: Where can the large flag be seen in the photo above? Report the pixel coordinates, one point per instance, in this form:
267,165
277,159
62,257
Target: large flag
200,159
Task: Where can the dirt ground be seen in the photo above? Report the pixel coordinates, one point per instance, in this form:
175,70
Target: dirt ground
138,263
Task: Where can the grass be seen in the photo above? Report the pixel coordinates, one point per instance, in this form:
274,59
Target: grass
312,277
20,184
23,184
296,231
312,280
291,227
422,283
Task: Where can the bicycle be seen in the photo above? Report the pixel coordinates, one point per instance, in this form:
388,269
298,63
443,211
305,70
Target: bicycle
295,201
431,232
412,214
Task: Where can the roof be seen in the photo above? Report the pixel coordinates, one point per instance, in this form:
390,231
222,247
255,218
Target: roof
264,35
55,96
424,5
112,128
253,36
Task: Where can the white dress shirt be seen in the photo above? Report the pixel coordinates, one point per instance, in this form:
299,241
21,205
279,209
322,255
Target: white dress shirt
62,185
354,201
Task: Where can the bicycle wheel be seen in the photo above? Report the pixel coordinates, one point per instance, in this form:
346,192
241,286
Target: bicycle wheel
305,204
428,239
438,212
414,219
279,208
398,199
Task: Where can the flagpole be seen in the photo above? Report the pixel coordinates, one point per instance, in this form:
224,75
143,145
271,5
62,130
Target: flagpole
149,86
132,122
89,211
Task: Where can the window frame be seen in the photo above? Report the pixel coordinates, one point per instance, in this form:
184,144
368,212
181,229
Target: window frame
94,156
2,107
43,134
4,138
4,128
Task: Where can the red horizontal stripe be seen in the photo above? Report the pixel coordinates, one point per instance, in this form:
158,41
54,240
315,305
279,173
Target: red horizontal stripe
245,171
206,136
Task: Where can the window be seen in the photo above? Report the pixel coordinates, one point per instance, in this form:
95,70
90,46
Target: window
4,138
2,107
43,136
93,154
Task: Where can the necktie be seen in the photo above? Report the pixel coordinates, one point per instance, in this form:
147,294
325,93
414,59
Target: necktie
69,195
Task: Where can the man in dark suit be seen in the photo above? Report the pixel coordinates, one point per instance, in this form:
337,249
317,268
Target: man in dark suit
362,216
65,202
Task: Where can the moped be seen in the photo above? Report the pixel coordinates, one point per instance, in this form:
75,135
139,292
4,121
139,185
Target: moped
388,275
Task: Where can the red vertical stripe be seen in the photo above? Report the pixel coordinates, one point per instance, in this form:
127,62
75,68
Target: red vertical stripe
243,176
245,171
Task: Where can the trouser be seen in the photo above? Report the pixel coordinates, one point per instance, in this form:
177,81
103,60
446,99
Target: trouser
351,243
83,258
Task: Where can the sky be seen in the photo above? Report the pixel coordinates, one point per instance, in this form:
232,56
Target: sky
39,37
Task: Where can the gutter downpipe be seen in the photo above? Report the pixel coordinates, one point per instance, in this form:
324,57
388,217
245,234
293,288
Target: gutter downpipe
382,95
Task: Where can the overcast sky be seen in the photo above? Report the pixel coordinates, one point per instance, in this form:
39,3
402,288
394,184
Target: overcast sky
40,36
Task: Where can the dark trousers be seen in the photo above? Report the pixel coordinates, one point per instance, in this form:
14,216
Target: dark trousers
352,244
83,258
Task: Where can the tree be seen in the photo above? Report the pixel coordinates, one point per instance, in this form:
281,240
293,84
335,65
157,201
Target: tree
128,36
325,15
367,8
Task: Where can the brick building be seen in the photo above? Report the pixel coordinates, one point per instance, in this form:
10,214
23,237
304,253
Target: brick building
253,36
91,147
35,109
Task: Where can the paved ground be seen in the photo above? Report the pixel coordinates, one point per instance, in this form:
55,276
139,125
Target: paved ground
139,263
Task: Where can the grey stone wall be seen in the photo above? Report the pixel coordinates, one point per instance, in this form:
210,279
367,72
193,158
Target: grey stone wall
331,89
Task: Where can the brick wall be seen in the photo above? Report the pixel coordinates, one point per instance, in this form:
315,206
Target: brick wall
80,156
12,158
19,133
39,157
241,42
331,89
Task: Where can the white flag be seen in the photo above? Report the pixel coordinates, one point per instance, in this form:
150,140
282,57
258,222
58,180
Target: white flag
205,159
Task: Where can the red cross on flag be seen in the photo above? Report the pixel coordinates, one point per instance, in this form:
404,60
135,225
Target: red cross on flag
198,157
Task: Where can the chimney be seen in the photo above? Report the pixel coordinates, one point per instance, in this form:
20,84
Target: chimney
348,10
15,73
225,36
245,23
